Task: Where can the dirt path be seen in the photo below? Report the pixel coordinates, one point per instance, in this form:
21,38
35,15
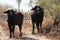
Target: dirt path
4,35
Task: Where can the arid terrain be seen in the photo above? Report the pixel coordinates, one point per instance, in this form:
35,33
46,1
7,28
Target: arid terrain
27,31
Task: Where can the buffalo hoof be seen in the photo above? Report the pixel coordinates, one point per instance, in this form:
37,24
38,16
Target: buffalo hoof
20,34
10,37
13,36
33,33
40,31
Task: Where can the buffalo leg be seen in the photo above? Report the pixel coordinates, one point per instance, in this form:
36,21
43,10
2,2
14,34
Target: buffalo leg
13,29
54,24
37,24
40,27
20,29
33,28
10,31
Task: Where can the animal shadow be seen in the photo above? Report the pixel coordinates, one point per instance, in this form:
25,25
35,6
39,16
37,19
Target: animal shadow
28,38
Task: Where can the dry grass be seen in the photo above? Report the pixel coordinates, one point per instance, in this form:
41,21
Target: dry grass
27,29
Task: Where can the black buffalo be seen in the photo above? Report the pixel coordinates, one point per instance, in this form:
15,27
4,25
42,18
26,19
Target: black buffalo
56,21
14,19
37,18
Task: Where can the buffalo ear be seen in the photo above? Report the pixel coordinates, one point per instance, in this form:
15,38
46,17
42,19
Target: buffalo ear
14,11
33,9
6,11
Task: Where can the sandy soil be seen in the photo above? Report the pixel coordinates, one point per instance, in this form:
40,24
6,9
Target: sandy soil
27,29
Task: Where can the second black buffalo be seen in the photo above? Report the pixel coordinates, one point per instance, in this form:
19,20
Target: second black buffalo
37,18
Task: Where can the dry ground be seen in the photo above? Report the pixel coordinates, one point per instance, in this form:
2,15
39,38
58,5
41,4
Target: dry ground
27,29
